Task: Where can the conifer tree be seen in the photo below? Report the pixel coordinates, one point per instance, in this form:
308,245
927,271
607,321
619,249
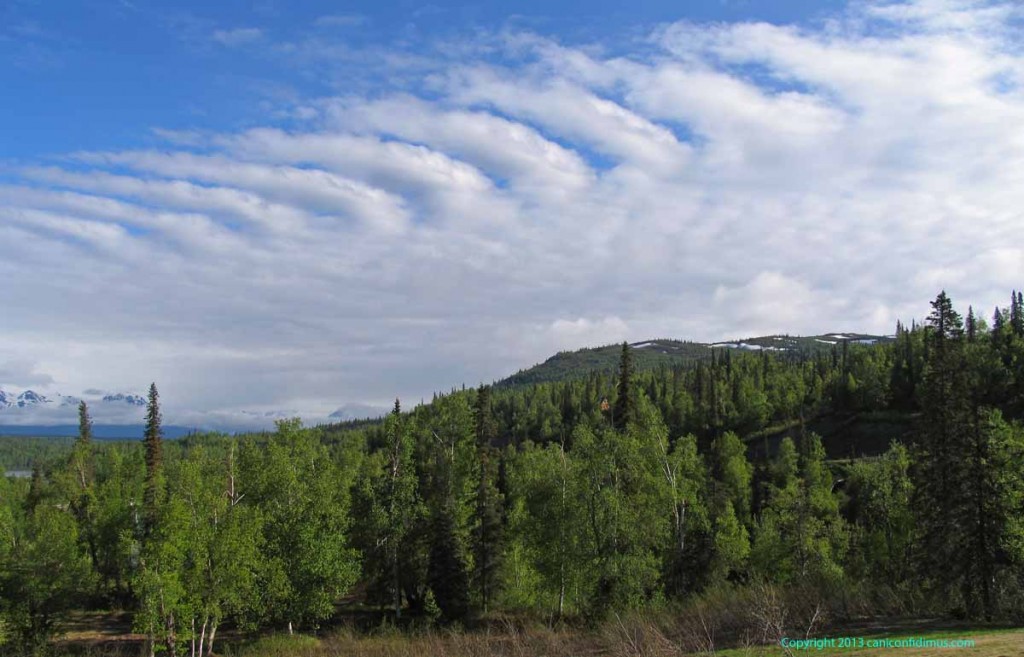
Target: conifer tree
398,498
153,443
489,503
83,470
1016,314
83,448
999,321
625,401
447,574
954,471
483,417
489,531
945,406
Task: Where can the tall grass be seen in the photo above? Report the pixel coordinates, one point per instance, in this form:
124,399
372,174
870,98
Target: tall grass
743,619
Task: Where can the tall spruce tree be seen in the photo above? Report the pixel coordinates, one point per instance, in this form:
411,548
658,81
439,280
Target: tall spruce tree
84,467
488,536
489,503
952,473
153,443
624,411
483,416
1016,314
447,573
83,500
398,497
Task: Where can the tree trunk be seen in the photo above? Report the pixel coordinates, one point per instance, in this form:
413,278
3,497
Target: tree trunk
396,584
561,590
213,633
171,647
202,636
561,538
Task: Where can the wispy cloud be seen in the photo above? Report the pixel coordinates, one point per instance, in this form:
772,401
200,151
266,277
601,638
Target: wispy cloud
238,36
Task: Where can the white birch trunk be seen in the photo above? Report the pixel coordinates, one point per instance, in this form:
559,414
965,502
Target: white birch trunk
209,645
202,636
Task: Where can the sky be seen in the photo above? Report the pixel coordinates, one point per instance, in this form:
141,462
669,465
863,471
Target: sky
275,208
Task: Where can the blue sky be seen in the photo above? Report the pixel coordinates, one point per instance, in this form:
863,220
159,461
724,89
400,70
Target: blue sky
287,208
103,73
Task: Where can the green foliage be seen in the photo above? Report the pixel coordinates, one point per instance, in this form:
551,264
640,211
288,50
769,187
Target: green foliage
43,569
880,493
624,524
307,560
586,496
800,535
733,474
387,501
731,545
546,567
22,453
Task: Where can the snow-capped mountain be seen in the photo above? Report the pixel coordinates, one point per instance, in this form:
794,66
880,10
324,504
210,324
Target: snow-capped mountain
58,414
24,400
119,414
133,400
32,399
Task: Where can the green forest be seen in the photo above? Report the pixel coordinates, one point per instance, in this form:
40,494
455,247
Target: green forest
808,488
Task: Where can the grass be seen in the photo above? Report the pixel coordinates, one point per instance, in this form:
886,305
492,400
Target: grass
281,645
987,643
625,639
726,621
544,642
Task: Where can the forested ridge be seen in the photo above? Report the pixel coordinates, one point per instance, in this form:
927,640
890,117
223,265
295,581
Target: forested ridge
573,499
664,353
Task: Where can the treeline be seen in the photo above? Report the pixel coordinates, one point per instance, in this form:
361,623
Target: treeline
576,499
22,453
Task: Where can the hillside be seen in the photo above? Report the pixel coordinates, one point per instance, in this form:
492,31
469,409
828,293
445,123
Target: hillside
651,354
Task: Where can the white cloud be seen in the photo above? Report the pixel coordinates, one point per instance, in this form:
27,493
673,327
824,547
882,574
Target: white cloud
583,331
238,36
22,373
720,181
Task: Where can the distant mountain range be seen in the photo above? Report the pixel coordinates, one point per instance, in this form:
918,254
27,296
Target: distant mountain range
31,398
119,416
